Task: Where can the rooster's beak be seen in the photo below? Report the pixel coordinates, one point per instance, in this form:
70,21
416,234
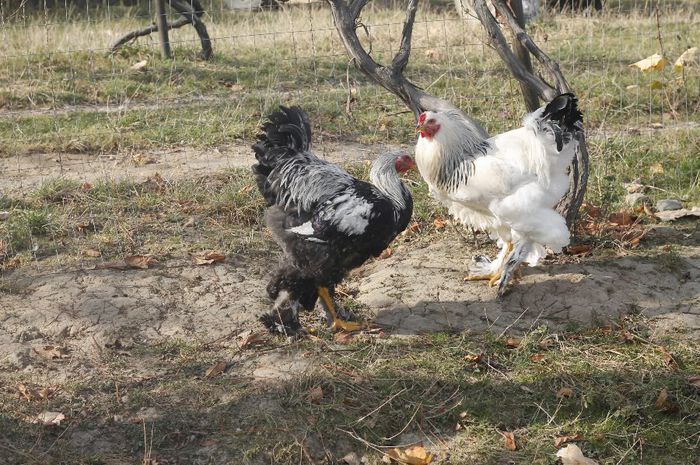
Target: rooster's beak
419,127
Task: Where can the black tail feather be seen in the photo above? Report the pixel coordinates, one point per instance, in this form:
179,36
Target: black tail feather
564,110
286,131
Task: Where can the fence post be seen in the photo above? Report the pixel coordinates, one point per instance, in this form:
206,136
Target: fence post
162,23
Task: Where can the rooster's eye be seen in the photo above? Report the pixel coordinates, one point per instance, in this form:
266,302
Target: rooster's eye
431,121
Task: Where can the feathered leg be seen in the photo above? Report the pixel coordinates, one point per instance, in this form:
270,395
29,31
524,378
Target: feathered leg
510,267
483,269
336,323
284,316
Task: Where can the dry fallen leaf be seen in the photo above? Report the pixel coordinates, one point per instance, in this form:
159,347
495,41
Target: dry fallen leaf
512,342
250,338
28,393
343,338
621,218
386,253
474,358
690,57
439,223
509,439
91,253
415,455
655,62
140,261
411,229
572,455
315,395
351,459
565,392
694,381
140,66
564,439
537,358
656,168
51,352
207,258
664,403
216,370
669,359
49,418
580,249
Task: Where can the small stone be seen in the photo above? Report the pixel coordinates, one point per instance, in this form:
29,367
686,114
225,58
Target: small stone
4,216
668,205
636,199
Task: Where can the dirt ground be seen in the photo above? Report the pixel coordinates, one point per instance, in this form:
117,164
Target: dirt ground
418,289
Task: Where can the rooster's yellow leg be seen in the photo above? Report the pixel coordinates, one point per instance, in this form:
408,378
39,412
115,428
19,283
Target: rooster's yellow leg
337,324
483,277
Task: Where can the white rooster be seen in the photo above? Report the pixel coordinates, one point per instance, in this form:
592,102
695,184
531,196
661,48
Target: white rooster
507,185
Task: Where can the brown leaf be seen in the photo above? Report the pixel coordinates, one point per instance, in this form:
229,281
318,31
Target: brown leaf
694,381
669,359
664,403
411,229
439,223
207,258
216,370
49,418
51,352
91,253
547,343
86,186
386,253
416,455
315,395
28,393
565,392
509,439
474,358
512,342
140,261
591,210
245,189
621,218
580,249
252,338
564,439
343,338
537,358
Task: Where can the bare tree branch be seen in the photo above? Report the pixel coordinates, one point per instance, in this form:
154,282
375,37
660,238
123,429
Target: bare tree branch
401,59
521,36
391,78
500,44
532,101
126,38
191,12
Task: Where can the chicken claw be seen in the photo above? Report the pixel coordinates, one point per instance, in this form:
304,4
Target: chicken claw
337,323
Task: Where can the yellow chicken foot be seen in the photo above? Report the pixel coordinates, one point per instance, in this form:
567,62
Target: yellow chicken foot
338,324
483,277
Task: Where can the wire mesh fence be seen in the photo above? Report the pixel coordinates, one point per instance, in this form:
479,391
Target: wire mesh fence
75,111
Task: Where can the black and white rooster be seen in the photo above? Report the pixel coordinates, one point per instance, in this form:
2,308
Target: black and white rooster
326,221
507,185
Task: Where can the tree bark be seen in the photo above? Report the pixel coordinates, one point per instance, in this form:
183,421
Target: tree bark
345,14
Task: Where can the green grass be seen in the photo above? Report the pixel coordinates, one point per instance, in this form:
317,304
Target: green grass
375,390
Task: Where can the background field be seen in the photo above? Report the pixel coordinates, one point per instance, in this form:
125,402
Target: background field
100,161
